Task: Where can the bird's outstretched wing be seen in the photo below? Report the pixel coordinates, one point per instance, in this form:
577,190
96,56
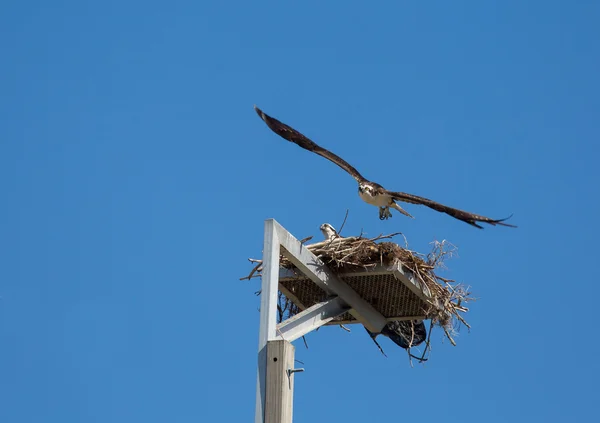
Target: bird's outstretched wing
468,217
290,134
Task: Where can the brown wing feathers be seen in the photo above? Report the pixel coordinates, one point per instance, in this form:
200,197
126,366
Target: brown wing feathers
467,217
290,134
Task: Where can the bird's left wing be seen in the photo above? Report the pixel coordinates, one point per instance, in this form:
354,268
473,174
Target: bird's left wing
470,218
290,134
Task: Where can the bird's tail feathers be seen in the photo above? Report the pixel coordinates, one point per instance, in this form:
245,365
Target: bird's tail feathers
401,210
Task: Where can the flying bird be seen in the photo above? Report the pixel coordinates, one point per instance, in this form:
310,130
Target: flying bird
371,192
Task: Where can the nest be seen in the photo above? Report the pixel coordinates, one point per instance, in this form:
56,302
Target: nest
448,298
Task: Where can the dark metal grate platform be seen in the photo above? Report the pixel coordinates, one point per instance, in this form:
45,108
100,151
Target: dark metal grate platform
382,289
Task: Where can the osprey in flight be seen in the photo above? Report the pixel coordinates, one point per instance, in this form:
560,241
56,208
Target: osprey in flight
371,192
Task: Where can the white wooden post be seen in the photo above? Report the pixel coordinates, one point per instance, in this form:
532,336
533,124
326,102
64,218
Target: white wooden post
268,312
280,382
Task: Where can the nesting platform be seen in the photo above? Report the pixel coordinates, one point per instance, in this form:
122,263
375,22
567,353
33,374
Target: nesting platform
347,280
392,291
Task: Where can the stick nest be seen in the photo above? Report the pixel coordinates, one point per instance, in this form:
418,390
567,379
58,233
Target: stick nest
355,253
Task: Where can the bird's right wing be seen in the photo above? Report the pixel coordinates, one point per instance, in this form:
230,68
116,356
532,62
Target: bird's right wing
290,134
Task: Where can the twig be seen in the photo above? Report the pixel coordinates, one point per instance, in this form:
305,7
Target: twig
256,268
449,337
379,346
344,222
427,344
303,240
382,236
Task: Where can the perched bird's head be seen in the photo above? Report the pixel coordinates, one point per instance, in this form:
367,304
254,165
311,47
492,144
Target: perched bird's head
328,231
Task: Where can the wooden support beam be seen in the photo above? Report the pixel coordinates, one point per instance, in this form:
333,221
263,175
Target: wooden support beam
311,319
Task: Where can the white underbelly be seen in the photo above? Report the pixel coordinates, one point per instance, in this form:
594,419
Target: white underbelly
378,200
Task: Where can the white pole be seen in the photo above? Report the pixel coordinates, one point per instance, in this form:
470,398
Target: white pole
268,313
280,382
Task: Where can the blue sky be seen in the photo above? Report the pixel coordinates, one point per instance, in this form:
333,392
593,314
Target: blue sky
136,177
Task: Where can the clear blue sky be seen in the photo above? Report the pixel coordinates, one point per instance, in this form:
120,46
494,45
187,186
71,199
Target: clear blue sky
135,179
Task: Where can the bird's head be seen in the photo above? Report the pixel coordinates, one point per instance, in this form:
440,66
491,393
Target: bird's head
365,188
328,231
